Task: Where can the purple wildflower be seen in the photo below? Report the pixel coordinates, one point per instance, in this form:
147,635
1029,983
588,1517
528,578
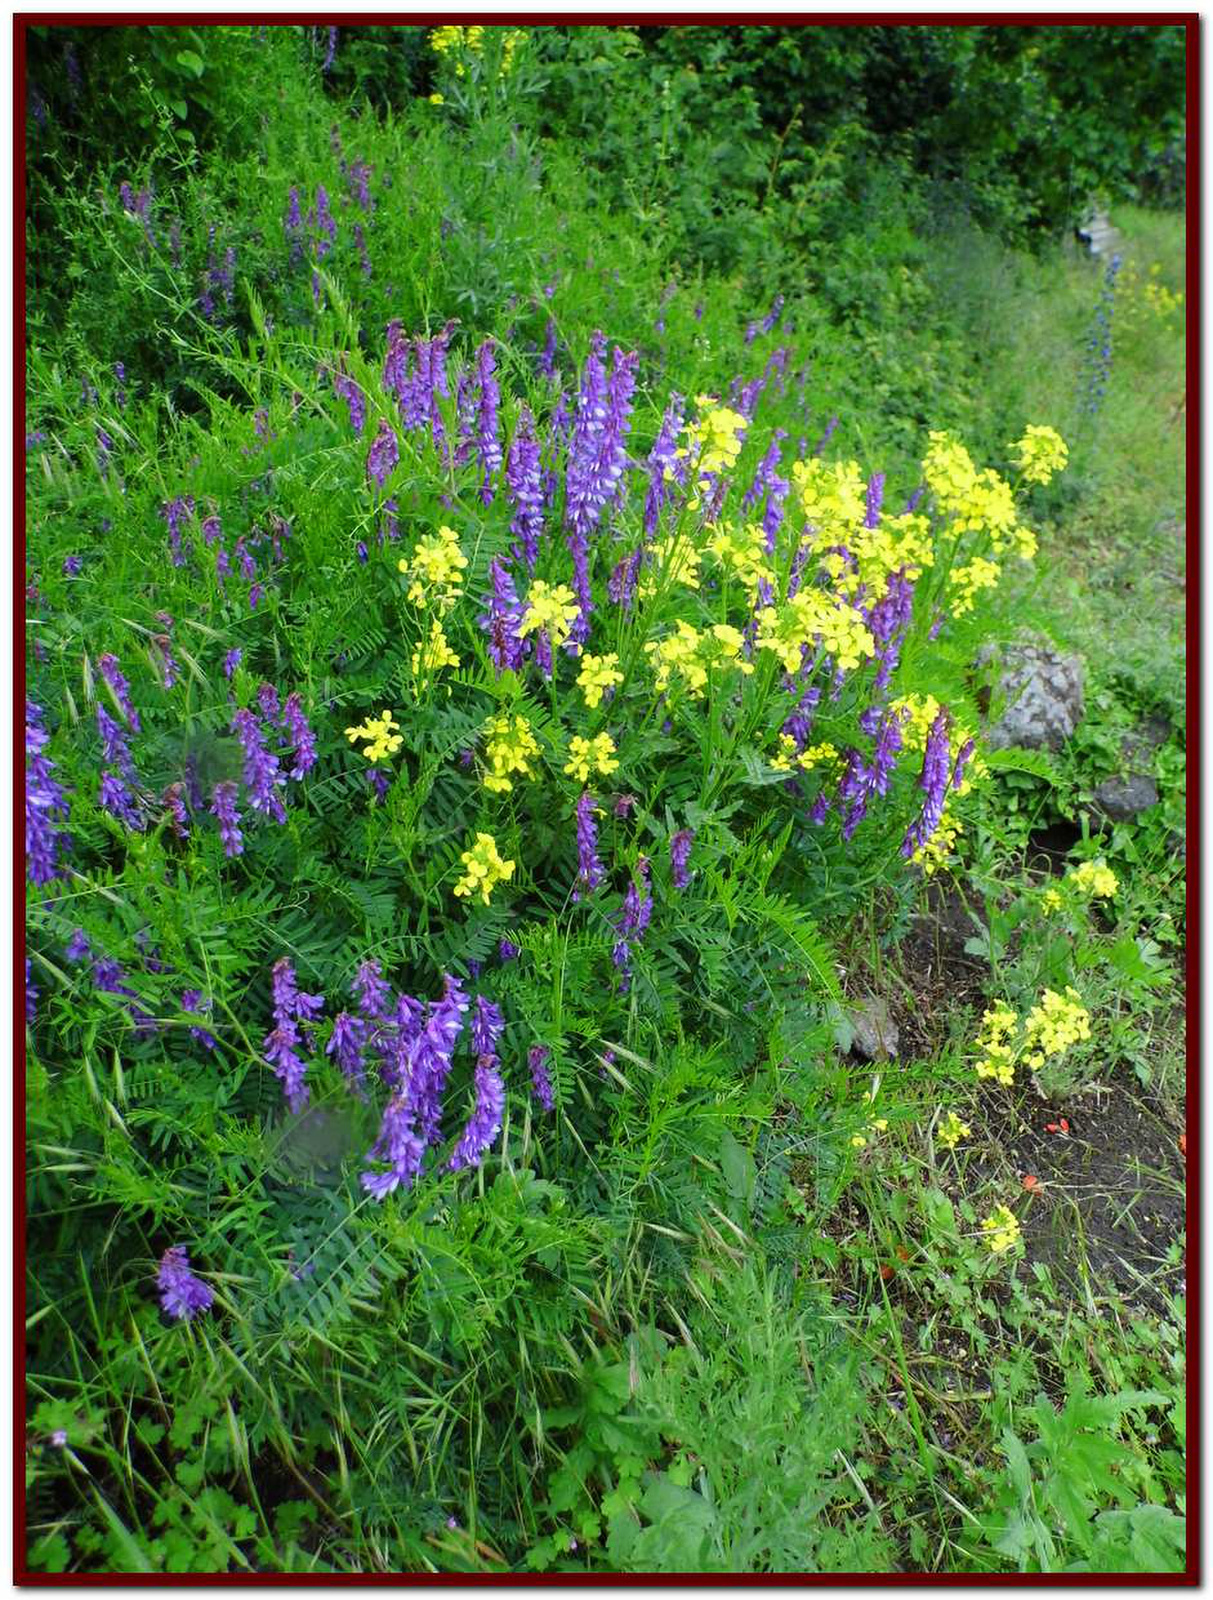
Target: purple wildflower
637,910
348,1044
380,782
963,757
193,1002
296,725
507,650
345,387
174,799
826,436
488,446
934,780
113,743
223,806
175,514
331,52
262,773
182,1295
231,661
487,1026
291,1006
364,258
432,1056
162,645
384,454
541,1081
621,585
322,219
116,797
77,947
484,1124
663,458
370,988
547,356
680,853
31,996
399,1145
524,486
590,872
875,498
72,566
507,950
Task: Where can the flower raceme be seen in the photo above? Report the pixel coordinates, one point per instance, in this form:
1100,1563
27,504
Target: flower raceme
1050,1028
483,869
591,755
436,570
510,748
380,739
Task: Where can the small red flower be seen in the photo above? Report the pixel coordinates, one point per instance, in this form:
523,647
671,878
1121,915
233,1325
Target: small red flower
1183,1145
1051,1127
1031,1184
1065,1126
886,1271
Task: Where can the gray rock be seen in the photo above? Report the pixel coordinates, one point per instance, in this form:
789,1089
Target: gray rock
1121,799
1042,693
1177,844
875,1032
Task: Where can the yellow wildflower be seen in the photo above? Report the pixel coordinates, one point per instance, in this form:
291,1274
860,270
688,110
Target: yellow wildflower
1095,879
998,1055
1001,1229
675,560
1051,1027
812,618
434,654
554,609
484,868
939,846
377,731
1040,453
436,568
597,674
715,437
1051,900
511,747
586,755
437,99
744,551
679,652
951,1131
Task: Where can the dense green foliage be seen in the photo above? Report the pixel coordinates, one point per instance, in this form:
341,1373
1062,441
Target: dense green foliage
662,1325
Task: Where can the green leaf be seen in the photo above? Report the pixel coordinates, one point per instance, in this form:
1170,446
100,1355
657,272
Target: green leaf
192,62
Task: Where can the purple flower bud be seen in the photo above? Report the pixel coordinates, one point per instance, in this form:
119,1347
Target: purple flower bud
262,773
231,661
354,398
116,798
348,1044
507,650
223,806
524,486
590,872
384,454
399,1145
182,1295
680,853
488,1024
488,446
193,1002
934,780
541,1081
507,950
484,1124
296,725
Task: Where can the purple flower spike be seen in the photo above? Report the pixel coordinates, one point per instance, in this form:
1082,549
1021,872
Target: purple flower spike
541,1081
524,486
31,997
432,1057
488,446
262,773
501,621
348,1045
507,950
371,990
590,872
354,398
231,661
663,458
223,806
174,799
296,725
488,1025
934,781
193,1002
44,801
399,1145
484,1124
384,454
182,1295
116,797
107,665
680,854
875,498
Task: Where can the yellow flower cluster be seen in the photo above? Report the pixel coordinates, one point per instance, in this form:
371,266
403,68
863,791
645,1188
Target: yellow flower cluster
552,608
997,1053
679,652
814,618
377,731
1040,453
744,551
451,38
437,569
966,582
598,674
586,755
815,755
1094,879
875,1125
715,437
1000,1229
940,846
951,1131
722,646
434,654
483,868
975,501
833,497
510,748
1051,900
1051,1027
674,560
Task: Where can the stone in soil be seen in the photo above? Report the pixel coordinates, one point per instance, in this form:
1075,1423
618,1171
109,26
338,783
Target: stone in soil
1042,694
1122,799
874,1033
